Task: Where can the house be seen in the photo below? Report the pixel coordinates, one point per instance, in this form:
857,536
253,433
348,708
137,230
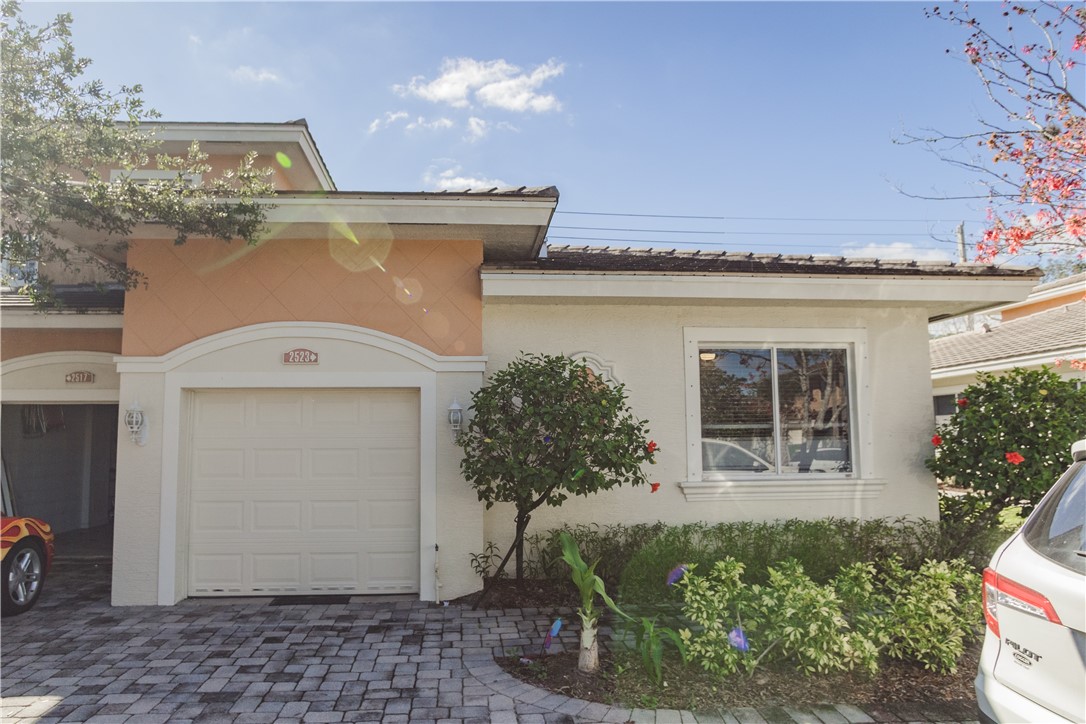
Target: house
278,415
1046,329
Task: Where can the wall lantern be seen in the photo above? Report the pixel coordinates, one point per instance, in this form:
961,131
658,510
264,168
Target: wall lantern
136,422
456,418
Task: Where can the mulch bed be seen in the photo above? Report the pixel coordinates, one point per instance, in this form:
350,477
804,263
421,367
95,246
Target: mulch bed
692,688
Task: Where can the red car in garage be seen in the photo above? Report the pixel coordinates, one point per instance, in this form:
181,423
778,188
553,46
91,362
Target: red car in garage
26,552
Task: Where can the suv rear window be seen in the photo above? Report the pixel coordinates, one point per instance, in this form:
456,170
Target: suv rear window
1057,530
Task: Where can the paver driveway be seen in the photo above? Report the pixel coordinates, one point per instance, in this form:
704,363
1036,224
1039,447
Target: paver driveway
74,658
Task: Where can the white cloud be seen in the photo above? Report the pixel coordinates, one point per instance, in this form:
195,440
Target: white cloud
899,250
195,39
435,124
494,83
388,120
451,179
518,93
477,129
248,74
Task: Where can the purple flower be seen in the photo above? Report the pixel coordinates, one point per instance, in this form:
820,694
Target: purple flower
676,575
738,639
548,439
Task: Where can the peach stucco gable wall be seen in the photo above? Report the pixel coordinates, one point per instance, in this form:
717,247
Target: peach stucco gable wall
1074,294
21,342
427,292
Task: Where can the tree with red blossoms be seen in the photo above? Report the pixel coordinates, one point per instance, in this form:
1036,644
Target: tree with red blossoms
1032,165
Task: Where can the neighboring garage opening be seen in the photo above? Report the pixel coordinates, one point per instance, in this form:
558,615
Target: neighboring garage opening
303,491
62,463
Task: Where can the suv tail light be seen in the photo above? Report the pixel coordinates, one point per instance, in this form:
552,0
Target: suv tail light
1002,590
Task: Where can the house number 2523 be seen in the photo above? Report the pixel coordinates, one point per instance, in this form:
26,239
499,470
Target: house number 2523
300,356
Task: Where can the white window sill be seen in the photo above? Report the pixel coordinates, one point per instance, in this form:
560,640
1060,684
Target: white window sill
805,488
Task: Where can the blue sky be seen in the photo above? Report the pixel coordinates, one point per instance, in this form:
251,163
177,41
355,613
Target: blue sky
779,118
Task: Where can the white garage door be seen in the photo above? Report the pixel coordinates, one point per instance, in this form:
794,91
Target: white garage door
303,492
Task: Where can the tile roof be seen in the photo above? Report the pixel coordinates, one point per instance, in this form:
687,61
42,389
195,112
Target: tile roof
1049,331
675,261
547,192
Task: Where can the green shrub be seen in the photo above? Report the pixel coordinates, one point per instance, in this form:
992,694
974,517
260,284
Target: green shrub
822,547
964,534
924,615
790,618
931,612
1009,440
611,545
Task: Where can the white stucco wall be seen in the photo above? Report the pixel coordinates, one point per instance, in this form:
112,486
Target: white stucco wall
645,345
151,555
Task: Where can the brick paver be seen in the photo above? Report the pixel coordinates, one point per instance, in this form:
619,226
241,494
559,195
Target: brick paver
76,659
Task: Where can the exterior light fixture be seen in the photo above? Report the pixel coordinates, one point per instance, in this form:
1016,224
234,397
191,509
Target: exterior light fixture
136,422
456,418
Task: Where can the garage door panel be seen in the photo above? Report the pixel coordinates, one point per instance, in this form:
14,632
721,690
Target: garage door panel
311,491
336,569
277,463
275,570
225,412
335,516
226,463
278,411
329,462
277,517
392,514
335,412
392,570
218,571
220,516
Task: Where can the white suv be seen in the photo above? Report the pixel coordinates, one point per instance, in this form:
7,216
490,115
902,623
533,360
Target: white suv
1033,665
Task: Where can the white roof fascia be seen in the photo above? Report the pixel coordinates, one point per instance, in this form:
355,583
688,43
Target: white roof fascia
1006,363
843,288
31,319
438,209
249,134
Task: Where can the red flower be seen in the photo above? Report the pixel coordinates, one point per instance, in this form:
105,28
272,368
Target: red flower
651,447
962,401
654,486
1014,458
936,440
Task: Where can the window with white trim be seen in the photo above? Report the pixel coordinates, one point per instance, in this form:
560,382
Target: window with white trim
784,408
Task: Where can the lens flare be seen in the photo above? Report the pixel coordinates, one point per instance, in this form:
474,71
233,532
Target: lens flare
359,247
283,159
408,291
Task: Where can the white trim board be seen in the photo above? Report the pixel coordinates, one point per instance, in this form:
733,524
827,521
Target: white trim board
925,292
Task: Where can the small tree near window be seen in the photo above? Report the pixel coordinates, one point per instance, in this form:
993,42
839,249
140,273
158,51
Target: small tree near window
544,428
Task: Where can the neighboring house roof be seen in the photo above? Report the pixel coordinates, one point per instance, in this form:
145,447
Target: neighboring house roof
1055,331
567,259
78,298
